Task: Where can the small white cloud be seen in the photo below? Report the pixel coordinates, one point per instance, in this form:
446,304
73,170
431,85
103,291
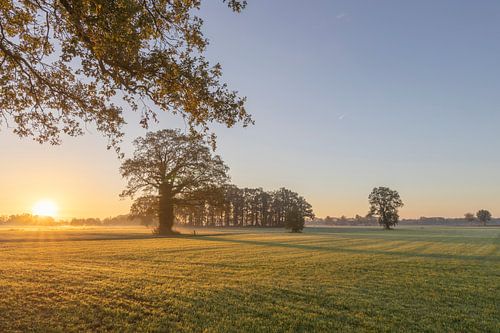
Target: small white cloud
342,116
341,16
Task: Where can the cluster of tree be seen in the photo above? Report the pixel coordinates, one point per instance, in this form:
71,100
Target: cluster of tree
28,219
371,221
108,221
177,176
232,206
358,220
444,221
34,220
482,216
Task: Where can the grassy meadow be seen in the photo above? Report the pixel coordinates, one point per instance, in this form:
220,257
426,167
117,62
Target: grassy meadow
411,279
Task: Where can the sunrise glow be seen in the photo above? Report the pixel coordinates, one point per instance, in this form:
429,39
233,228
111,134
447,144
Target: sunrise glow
45,208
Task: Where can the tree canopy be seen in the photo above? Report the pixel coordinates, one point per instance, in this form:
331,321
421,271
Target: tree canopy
295,220
168,167
63,63
230,205
384,204
469,217
483,216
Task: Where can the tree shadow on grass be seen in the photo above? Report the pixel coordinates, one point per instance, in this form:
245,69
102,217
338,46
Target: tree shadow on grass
433,235
351,250
95,236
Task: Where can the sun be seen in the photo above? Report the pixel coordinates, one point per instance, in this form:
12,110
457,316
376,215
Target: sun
45,208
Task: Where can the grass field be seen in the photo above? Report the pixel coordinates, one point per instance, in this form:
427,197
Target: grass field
325,279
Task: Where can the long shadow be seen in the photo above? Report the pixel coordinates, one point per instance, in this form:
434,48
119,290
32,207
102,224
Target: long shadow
91,237
216,237
71,238
409,235
348,250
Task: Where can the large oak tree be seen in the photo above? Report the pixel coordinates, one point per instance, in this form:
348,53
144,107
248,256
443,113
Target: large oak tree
64,62
167,168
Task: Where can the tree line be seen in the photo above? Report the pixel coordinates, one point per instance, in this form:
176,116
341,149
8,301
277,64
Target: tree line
230,205
26,219
359,220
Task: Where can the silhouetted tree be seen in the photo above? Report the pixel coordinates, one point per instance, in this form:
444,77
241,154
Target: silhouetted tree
469,217
145,209
171,166
28,219
229,205
294,219
86,221
384,204
305,208
74,56
483,216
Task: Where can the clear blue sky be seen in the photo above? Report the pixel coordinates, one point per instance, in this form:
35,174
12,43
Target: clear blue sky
347,95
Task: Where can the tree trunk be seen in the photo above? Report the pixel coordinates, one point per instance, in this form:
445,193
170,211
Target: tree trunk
166,210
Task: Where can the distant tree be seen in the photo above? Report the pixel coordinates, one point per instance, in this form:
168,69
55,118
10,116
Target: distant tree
171,166
359,219
86,221
63,62
145,209
294,219
483,216
469,217
328,219
28,219
384,204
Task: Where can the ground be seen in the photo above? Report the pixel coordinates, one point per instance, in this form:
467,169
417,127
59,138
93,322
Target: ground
438,279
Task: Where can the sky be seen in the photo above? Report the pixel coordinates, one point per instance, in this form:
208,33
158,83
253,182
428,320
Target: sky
346,96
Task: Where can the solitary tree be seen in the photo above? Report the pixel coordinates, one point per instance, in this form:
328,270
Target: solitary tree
294,220
64,62
171,166
469,217
384,204
483,216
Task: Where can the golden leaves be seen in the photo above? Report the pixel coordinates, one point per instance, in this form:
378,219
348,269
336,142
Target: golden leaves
63,62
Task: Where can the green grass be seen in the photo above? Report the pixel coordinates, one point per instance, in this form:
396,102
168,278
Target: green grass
325,279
